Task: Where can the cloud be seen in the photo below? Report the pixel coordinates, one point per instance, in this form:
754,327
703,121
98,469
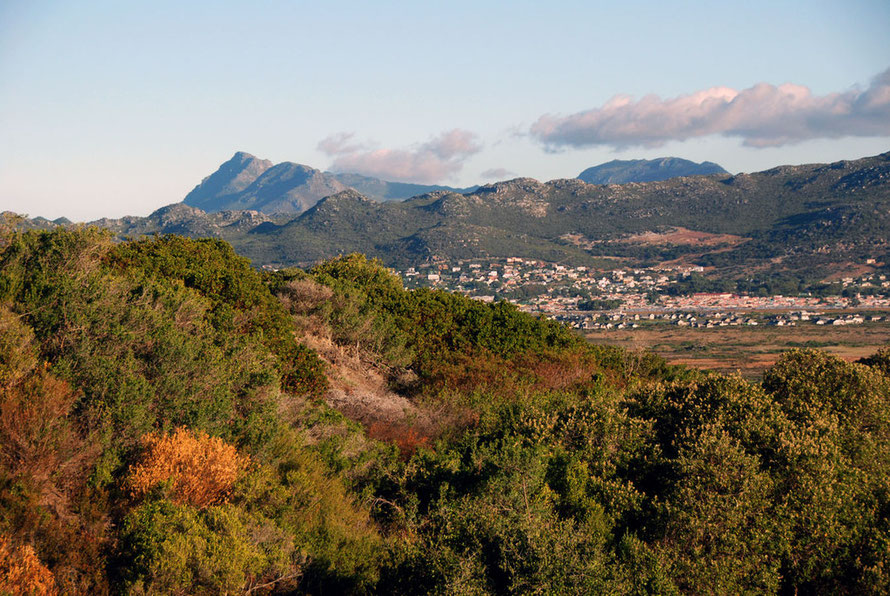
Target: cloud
429,162
338,143
497,174
762,116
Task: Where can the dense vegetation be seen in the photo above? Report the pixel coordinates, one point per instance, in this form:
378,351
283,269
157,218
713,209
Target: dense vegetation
164,429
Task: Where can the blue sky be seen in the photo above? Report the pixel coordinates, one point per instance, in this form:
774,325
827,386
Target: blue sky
114,108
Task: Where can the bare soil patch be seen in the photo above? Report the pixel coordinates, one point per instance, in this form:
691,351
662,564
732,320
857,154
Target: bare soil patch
682,236
849,270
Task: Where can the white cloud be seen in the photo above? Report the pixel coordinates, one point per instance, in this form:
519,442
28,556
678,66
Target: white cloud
338,143
497,174
429,162
762,116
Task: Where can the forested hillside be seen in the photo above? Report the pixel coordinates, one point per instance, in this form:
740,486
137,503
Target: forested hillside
173,421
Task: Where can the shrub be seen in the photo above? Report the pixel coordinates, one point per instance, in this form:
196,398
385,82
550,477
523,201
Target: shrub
21,572
295,489
200,469
407,439
35,435
240,301
144,351
178,549
720,526
880,360
834,465
813,386
18,352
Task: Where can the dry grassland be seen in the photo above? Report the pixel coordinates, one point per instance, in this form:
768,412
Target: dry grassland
748,350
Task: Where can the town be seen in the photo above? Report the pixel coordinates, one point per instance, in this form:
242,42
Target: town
625,298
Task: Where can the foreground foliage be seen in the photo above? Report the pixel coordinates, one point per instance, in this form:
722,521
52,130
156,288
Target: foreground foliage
163,429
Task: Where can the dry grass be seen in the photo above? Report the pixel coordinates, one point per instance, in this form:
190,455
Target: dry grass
300,296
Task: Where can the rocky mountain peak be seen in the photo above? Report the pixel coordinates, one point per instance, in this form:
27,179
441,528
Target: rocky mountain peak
231,178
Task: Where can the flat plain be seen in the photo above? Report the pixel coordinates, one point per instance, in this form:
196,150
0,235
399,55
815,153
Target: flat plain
748,350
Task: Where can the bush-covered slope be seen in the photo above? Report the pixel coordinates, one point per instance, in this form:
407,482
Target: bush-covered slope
165,428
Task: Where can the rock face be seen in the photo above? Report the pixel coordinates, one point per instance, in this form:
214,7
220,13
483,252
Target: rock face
287,188
620,171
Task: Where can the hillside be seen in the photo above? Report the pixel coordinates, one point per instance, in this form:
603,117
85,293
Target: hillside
622,171
173,421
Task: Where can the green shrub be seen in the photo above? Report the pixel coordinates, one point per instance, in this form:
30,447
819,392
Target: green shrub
240,301
832,475
168,548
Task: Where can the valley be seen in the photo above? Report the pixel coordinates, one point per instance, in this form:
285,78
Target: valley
745,349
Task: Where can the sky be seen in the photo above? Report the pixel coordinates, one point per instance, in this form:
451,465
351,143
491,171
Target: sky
119,108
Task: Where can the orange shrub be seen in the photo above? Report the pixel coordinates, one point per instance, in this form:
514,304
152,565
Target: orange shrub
21,572
200,469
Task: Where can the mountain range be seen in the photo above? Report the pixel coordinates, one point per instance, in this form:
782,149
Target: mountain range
809,220
247,182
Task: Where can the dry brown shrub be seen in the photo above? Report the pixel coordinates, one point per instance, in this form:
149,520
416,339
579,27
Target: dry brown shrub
200,469
558,371
508,378
73,542
406,438
303,295
473,371
21,572
36,437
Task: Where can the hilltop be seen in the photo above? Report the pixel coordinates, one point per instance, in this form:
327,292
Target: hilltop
620,171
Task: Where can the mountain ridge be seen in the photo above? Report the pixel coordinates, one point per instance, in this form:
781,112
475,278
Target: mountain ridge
807,219
247,182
